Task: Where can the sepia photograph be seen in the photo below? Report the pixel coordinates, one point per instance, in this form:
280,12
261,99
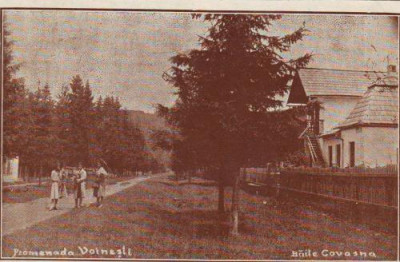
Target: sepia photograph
199,135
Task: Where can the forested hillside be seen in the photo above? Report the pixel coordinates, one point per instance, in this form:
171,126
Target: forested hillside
148,123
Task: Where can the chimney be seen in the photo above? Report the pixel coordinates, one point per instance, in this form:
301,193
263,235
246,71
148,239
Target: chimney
391,69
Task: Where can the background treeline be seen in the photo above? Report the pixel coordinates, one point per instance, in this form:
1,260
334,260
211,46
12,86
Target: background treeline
71,127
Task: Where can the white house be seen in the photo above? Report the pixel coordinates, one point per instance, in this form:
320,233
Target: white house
352,116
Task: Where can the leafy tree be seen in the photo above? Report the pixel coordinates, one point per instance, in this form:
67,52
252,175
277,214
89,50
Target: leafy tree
225,90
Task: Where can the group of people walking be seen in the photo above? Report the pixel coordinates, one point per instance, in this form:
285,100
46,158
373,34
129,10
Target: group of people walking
59,179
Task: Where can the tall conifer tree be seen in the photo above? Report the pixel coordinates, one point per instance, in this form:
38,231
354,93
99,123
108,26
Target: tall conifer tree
226,88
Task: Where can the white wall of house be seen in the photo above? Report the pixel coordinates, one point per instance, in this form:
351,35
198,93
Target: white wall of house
381,145
326,142
10,169
335,109
374,146
357,136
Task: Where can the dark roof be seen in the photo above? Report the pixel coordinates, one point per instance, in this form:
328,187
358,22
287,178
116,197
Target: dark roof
330,82
388,80
379,105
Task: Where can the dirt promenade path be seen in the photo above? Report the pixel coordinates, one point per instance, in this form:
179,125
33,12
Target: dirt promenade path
23,215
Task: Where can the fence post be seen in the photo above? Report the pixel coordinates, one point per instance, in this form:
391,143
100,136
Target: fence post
277,186
357,190
389,191
355,206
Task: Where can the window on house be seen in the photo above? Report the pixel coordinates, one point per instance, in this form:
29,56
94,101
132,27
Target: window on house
321,126
338,156
352,149
330,154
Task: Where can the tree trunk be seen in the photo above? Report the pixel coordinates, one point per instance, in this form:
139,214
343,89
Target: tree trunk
40,176
221,192
20,173
235,203
221,197
190,177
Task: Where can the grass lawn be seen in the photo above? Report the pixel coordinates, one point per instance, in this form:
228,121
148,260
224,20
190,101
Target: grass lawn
20,182
164,219
28,193
25,194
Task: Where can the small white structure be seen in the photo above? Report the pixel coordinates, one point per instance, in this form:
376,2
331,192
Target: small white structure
10,169
352,116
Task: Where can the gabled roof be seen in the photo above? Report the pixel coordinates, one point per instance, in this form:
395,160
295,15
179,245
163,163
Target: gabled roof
330,82
378,106
388,80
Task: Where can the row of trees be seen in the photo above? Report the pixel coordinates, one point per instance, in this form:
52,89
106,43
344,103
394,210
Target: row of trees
43,131
227,90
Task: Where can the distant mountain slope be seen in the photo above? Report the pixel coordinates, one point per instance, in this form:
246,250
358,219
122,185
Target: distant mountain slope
146,121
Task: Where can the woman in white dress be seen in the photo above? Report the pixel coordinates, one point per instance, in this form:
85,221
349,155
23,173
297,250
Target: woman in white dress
54,193
82,182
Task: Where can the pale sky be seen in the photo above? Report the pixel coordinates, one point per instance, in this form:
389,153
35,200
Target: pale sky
125,53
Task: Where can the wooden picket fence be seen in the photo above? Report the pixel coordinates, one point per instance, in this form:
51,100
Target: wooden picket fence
390,170
372,186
